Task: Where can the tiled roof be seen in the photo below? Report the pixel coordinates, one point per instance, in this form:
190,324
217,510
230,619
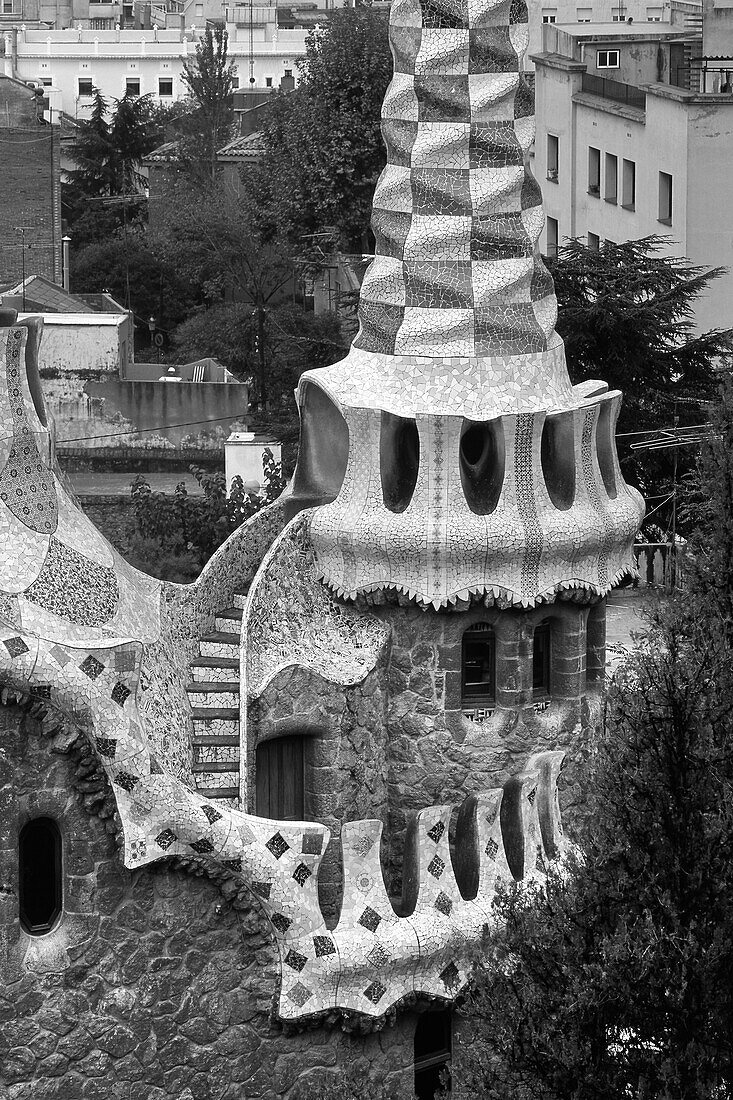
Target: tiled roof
248,147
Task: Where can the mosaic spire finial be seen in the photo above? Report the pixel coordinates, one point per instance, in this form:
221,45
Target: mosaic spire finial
457,213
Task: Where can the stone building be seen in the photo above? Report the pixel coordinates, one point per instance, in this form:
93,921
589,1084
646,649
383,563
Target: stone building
198,899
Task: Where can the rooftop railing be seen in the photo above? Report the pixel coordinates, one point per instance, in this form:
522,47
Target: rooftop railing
614,90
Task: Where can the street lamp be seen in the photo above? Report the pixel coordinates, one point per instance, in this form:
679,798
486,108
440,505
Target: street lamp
23,229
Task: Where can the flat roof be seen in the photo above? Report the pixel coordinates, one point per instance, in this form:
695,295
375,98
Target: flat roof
112,319
626,30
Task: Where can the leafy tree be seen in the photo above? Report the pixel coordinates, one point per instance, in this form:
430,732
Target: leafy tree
176,534
215,239
294,341
614,981
626,315
324,148
133,275
209,77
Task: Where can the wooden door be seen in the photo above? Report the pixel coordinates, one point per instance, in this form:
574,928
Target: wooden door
279,779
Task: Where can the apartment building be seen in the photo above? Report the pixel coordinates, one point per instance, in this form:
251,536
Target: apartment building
680,14
72,63
635,137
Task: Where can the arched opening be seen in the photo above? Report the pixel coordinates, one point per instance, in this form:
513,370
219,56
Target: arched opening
482,465
399,460
557,455
541,662
324,450
280,778
40,875
478,666
433,1048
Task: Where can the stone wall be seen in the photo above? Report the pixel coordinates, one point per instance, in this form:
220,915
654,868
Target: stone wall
400,741
155,984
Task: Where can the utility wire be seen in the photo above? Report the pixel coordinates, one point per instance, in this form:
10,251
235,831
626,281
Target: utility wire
155,428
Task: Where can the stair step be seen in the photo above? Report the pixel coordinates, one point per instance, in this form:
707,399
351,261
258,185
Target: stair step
223,669
216,766
213,693
218,792
208,714
239,598
229,619
215,739
220,643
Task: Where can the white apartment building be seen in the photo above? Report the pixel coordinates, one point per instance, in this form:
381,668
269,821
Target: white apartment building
680,14
71,63
623,151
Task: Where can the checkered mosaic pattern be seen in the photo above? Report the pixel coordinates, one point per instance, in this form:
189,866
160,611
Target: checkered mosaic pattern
457,214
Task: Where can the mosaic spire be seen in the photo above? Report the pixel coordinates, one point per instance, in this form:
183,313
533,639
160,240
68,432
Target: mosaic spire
457,213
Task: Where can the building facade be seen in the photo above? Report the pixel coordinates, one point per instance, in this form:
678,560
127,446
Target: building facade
627,148
70,64
30,181
281,798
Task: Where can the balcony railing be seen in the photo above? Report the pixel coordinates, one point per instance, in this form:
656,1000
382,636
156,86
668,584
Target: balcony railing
614,90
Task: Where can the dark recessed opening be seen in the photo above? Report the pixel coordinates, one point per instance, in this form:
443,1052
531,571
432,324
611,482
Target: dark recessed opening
478,665
541,661
280,779
399,460
324,449
606,446
432,1053
40,875
482,465
557,454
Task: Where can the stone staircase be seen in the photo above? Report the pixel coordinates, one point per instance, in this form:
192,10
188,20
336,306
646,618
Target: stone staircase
214,697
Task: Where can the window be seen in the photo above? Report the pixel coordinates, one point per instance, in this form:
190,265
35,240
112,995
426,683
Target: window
553,152
199,11
268,81
594,242
279,779
553,236
607,59
584,15
46,81
235,83
610,192
132,85
541,661
654,15
288,72
432,1052
9,7
85,86
165,86
594,171
628,185
665,198
478,664
617,15
40,870
548,17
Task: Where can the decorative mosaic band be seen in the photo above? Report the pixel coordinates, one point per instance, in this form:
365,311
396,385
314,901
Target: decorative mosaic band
457,214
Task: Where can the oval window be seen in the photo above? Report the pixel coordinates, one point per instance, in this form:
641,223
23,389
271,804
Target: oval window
39,860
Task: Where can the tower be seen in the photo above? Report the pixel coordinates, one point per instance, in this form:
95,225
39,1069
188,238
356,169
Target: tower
465,492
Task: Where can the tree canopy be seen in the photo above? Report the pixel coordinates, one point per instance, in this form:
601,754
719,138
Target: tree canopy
614,981
323,145
110,145
626,314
